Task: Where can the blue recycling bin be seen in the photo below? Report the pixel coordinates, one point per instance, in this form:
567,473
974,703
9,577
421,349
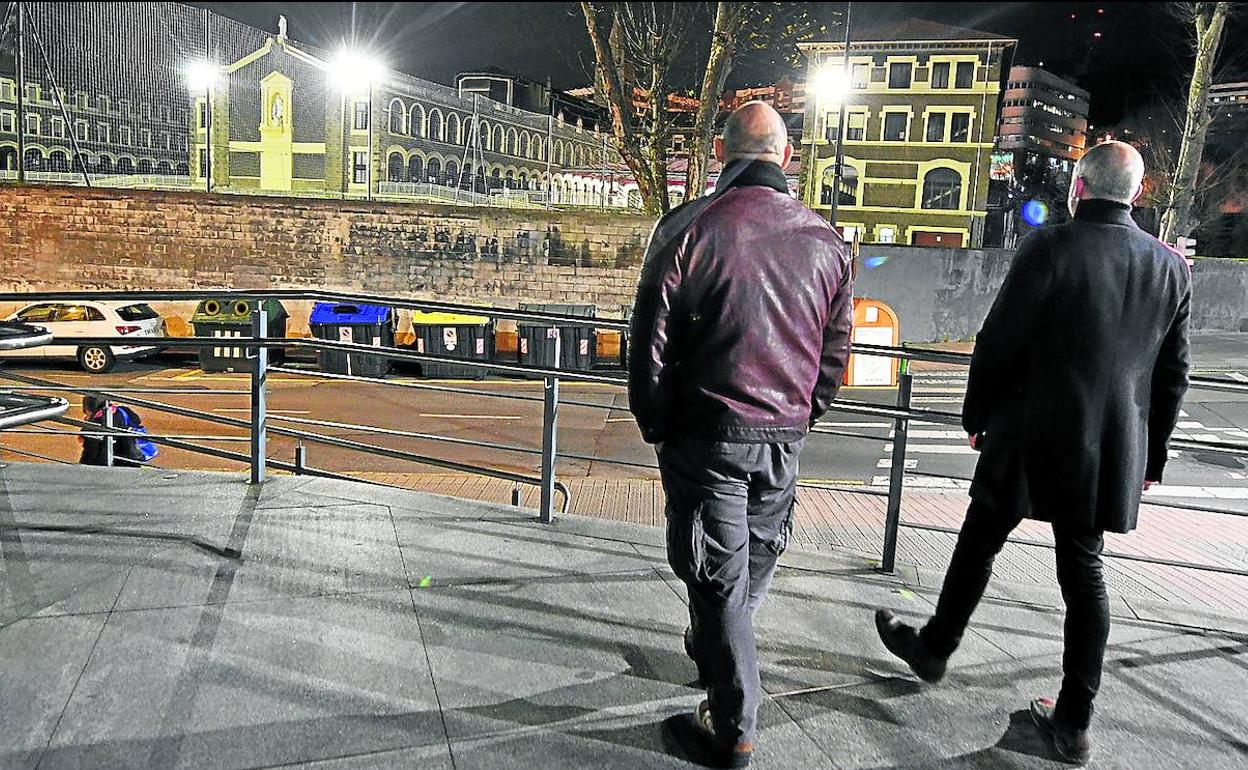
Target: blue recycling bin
371,325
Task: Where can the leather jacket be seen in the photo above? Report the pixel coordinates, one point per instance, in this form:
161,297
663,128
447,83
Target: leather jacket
741,327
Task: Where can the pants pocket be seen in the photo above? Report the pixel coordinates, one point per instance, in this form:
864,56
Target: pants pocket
780,542
686,544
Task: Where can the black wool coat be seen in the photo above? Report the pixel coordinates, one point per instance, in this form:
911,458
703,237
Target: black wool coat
1079,372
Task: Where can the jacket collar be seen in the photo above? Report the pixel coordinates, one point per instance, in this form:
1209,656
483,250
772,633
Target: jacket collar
1104,212
743,173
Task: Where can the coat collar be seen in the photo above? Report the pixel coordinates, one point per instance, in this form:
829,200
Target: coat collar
743,173
1104,212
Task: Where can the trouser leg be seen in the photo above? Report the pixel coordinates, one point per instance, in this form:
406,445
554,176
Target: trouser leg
983,535
1081,577
773,493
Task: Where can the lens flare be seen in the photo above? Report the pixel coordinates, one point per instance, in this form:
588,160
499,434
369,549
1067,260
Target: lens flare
874,262
1035,213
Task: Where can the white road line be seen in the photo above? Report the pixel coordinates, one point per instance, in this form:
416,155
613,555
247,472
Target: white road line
1215,493
270,411
472,416
924,389
1239,376
935,449
887,462
620,419
923,482
855,425
1190,425
941,434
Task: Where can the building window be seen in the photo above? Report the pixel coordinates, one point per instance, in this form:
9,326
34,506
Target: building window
56,127
32,124
899,74
960,127
203,161
103,103
895,126
940,75
166,142
201,114
936,127
942,189
886,234
103,133
861,76
124,135
145,137
8,119
361,116
32,92
856,127
81,130
966,75
359,167
8,91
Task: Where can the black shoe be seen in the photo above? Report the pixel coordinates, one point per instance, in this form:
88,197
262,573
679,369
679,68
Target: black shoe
695,737
903,641
689,643
1071,743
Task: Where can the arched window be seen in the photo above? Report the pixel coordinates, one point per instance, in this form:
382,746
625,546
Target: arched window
104,165
942,189
500,139
465,177
434,170
398,116
539,148
510,180
496,179
395,167
125,166
452,129
35,160
435,125
58,161
163,168
526,145
82,162
415,169
524,181
848,184
183,169
8,159
416,121
145,166
513,142
451,176
486,138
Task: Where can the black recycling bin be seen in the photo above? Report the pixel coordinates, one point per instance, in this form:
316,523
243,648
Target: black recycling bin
228,318
371,325
454,336
578,345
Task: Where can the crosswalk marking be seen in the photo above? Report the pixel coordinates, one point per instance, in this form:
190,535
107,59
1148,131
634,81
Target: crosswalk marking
935,449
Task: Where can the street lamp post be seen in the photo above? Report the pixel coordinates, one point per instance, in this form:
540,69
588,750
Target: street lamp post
834,83
353,72
201,79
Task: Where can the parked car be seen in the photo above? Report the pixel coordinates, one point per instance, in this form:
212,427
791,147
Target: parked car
130,322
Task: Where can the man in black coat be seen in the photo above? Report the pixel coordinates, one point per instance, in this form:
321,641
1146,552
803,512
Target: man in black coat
1074,389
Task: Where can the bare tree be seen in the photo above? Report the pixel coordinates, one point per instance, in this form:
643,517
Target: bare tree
635,47
1207,21
740,30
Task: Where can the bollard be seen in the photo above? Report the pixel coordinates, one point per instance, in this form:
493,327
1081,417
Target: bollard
515,495
259,406
109,444
301,458
550,431
897,474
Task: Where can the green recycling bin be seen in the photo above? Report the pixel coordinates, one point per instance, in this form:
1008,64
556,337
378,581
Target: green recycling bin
230,318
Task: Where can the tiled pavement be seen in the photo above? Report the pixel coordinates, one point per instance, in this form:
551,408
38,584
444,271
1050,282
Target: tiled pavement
854,521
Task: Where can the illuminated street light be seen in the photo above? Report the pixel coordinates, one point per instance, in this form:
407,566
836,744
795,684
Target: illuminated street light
831,84
353,71
201,76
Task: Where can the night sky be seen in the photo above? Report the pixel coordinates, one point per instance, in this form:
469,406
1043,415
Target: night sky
1140,52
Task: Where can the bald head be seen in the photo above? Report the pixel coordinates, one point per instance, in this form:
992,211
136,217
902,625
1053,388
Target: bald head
755,131
1109,171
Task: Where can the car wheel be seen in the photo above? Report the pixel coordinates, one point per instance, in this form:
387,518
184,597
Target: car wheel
96,359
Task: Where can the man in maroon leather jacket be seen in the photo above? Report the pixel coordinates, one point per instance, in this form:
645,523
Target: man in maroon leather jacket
740,336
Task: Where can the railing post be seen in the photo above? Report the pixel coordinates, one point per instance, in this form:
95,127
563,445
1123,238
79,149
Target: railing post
110,445
550,431
301,458
259,405
897,473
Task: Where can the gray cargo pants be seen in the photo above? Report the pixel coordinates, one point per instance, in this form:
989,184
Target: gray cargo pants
729,517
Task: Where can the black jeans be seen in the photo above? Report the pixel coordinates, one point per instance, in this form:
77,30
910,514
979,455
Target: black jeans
1080,575
729,517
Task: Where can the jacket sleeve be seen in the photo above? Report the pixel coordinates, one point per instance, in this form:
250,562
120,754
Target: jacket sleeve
836,342
1001,344
1169,384
651,331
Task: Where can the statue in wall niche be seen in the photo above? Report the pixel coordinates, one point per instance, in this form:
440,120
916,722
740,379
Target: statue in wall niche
587,257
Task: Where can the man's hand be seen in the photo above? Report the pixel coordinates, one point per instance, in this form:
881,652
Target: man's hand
1148,484
976,441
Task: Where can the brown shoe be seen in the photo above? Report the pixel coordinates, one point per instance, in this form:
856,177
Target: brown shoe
1071,743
